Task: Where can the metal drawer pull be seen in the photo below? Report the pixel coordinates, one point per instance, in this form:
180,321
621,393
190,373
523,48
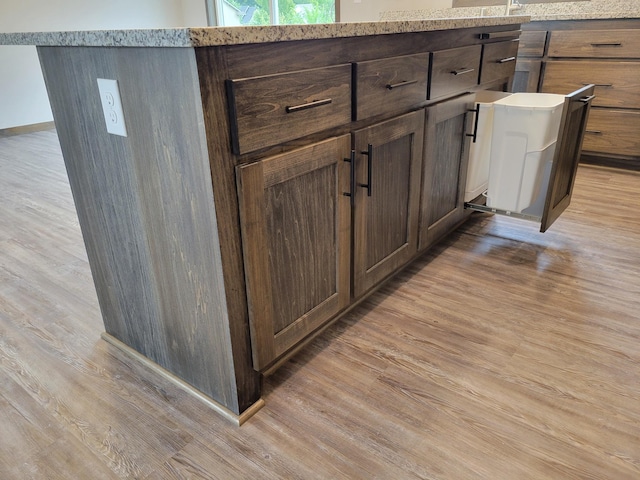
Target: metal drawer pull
587,99
369,154
463,71
305,106
391,86
594,132
507,60
475,124
615,44
510,33
352,179
600,84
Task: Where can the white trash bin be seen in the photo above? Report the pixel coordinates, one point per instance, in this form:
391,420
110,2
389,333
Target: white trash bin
480,151
525,130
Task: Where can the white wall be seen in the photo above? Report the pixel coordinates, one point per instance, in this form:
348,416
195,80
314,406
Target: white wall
23,97
369,10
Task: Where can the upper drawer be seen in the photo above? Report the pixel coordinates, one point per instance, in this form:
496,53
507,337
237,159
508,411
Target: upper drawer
391,84
498,60
532,43
595,43
273,109
454,70
617,83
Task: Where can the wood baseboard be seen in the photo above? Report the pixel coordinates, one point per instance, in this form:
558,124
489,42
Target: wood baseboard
36,127
237,420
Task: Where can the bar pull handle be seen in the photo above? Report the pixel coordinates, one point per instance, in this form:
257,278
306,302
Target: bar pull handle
369,154
510,33
391,86
306,106
507,60
612,44
594,132
475,124
599,84
587,99
352,177
463,71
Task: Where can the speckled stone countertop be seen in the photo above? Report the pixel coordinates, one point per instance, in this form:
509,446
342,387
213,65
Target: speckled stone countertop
581,10
203,36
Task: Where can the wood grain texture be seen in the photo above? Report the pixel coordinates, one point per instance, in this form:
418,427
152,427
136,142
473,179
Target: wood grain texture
526,77
145,204
296,235
390,85
502,353
564,168
385,223
261,106
532,43
618,43
617,83
444,171
613,131
498,61
465,61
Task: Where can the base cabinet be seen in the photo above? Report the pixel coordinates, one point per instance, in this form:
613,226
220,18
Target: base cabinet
445,165
386,202
295,223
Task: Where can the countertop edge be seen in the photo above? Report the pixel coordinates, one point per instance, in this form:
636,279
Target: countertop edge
216,36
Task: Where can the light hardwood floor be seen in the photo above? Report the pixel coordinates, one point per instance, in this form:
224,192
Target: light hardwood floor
502,354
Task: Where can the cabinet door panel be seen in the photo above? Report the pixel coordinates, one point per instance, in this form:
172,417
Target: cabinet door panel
295,233
445,166
567,154
386,214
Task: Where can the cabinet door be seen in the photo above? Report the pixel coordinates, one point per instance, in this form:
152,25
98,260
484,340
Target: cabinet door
445,167
527,75
295,224
386,202
568,148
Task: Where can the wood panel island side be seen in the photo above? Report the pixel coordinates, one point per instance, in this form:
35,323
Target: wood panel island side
270,179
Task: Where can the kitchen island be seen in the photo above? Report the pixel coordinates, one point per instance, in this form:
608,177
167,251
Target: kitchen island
262,180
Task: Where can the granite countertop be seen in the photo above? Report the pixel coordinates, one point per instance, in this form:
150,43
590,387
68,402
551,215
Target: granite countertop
579,10
209,36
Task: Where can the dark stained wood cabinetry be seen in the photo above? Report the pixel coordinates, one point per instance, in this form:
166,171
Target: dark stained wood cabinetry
295,225
236,240
445,166
387,198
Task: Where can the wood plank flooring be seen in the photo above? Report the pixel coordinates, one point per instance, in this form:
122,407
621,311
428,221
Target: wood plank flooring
502,354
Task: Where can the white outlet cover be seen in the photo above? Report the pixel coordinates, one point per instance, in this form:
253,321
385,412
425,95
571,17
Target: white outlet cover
112,106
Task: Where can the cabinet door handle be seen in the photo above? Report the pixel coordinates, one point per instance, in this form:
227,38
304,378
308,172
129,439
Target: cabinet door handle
599,84
352,177
613,44
391,86
507,60
369,154
510,33
587,99
463,71
594,132
305,106
475,124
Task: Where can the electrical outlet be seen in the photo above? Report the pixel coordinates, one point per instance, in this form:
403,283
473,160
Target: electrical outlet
112,106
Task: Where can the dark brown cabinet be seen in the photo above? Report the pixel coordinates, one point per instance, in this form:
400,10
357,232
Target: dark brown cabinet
388,158
295,223
445,166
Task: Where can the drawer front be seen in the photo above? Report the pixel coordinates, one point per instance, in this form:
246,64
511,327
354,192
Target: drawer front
617,83
273,109
454,70
391,84
532,44
595,43
498,60
613,131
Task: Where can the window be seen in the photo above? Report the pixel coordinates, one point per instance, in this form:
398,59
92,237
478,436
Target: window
270,12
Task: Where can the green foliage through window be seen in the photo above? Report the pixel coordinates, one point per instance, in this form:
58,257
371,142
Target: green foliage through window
256,12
